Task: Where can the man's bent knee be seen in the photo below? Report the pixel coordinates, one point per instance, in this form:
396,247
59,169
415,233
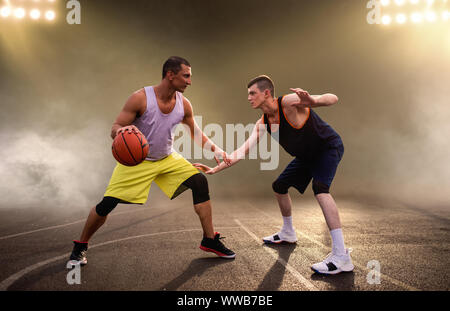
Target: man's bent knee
319,187
199,186
280,187
106,206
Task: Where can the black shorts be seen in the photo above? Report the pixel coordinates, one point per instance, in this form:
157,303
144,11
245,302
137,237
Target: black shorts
322,167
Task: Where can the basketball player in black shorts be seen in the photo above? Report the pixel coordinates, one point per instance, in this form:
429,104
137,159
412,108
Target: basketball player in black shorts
317,150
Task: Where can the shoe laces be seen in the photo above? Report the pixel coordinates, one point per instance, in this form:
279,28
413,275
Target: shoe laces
80,250
217,238
331,257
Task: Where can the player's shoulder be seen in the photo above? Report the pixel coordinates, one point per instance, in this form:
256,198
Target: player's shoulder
287,100
289,103
188,111
260,120
137,99
186,103
138,94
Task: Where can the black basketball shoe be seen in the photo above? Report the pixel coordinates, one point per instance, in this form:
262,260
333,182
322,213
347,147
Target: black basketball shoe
217,247
78,256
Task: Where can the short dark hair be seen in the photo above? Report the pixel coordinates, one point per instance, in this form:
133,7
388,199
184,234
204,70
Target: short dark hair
263,82
174,64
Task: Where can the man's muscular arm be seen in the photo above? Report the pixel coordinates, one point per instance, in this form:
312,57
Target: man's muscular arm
239,153
302,99
198,136
133,107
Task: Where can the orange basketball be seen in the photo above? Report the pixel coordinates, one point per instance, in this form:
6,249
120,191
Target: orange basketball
130,148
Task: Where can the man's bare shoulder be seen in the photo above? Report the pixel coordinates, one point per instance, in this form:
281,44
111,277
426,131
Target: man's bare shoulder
138,94
187,107
260,121
186,101
137,101
290,103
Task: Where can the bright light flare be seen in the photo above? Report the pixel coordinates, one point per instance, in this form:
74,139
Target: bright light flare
19,13
400,2
385,2
430,16
50,15
416,17
445,16
5,11
401,18
35,14
386,20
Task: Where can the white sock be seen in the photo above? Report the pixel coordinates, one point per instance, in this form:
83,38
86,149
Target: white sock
287,225
337,238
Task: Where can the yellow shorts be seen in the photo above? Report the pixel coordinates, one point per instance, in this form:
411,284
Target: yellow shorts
132,183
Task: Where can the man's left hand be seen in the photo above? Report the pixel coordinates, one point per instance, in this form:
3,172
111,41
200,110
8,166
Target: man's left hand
306,100
222,154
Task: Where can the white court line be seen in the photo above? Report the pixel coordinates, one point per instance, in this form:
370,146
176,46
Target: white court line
362,267
392,280
13,278
288,267
63,225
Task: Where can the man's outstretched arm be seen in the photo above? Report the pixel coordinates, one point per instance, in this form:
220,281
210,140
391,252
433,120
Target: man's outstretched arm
301,99
198,136
239,153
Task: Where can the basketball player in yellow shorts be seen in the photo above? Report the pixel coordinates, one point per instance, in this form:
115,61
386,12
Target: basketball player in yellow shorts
154,111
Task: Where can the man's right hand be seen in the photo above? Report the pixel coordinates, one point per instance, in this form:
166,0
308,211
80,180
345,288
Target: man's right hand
129,128
206,169
219,153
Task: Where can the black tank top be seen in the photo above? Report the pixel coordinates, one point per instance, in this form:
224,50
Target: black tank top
305,142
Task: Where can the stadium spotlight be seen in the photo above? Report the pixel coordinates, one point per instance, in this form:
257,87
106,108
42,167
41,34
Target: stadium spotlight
386,20
35,14
416,17
5,11
415,11
19,13
401,18
28,9
50,15
430,16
